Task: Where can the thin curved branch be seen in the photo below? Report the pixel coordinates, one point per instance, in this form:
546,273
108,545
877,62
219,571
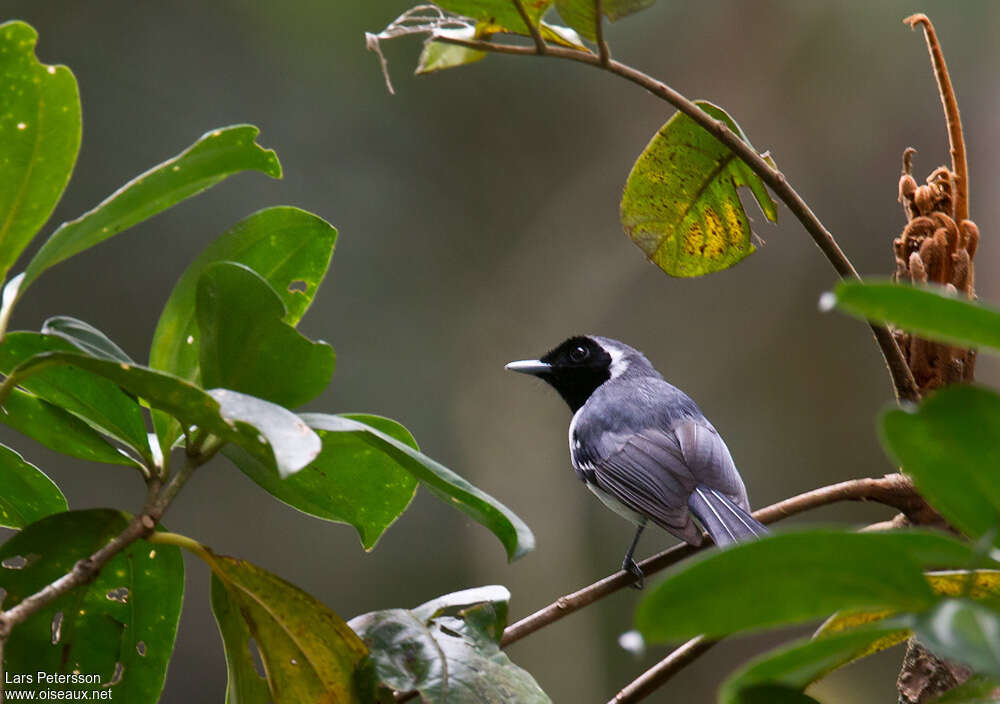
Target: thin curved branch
653,678
892,490
959,163
903,382
536,36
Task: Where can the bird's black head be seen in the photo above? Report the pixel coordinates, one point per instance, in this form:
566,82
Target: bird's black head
577,367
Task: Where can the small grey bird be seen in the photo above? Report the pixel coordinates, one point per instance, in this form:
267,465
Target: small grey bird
643,446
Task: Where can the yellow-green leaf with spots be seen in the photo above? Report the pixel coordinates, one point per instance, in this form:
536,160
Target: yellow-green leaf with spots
681,205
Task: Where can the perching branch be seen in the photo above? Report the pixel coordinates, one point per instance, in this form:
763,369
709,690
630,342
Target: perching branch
892,490
959,164
653,678
902,378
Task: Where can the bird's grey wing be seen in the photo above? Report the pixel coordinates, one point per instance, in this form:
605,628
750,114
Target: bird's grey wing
708,459
647,472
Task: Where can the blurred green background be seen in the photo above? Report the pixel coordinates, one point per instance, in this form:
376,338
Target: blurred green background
478,224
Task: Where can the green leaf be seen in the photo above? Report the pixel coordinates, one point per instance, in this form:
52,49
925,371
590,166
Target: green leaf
965,631
309,653
448,650
127,615
453,489
244,686
57,429
270,432
580,15
437,56
795,577
951,448
95,400
287,246
218,154
349,481
681,206
930,312
798,665
26,494
39,138
772,694
500,14
85,337
246,345
978,689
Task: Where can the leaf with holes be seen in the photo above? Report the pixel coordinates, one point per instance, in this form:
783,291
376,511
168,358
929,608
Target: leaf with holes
127,616
349,481
681,206
215,156
289,247
580,14
515,535
99,402
799,664
951,448
245,685
40,132
85,337
26,494
309,653
795,577
269,431
245,344
930,312
448,650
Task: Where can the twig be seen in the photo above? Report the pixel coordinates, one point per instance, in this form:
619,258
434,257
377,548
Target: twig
959,164
650,680
602,46
536,36
902,378
892,490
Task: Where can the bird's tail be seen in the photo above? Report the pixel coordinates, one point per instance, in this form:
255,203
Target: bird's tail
725,521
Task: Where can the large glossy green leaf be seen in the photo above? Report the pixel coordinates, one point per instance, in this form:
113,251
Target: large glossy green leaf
799,664
57,429
85,337
580,14
39,138
681,206
96,400
501,14
929,311
127,616
26,494
515,535
951,448
964,631
309,653
349,481
269,431
287,246
245,685
216,155
448,650
246,345
795,577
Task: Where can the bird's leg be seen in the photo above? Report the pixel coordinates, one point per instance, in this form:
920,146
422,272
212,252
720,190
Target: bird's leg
628,564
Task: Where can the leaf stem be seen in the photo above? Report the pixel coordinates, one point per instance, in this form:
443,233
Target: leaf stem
536,36
959,163
904,385
604,54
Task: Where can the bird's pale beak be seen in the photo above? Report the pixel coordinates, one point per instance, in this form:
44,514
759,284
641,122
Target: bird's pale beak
529,366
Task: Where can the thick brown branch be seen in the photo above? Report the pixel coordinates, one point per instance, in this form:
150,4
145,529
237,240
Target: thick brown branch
902,378
893,490
959,164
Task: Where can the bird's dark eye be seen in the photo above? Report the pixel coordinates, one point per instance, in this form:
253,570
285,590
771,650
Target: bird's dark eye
579,354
